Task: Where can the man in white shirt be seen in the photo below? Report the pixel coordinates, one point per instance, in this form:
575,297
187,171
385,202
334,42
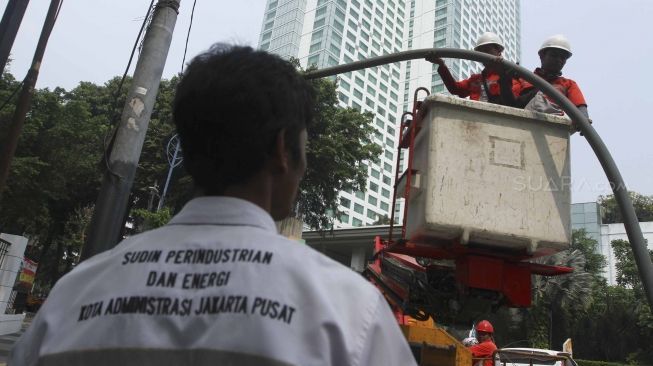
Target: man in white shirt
218,285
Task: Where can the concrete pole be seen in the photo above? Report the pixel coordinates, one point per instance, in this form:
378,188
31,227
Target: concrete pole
25,97
9,25
110,209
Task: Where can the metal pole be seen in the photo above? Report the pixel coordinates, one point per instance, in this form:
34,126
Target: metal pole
112,202
172,167
633,230
25,96
9,25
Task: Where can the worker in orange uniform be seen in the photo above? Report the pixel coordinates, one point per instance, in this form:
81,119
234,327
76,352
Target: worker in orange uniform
492,85
554,53
486,347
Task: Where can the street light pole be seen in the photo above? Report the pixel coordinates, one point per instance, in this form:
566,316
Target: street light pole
112,202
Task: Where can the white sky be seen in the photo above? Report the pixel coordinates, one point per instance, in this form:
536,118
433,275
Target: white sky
611,42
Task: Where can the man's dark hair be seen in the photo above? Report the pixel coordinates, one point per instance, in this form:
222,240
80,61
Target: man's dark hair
230,105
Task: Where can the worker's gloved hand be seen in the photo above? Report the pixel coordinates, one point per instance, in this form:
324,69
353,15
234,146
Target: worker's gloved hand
434,59
470,341
583,110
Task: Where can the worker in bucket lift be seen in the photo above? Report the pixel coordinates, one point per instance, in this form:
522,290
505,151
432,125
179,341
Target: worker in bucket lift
483,346
218,285
554,53
492,85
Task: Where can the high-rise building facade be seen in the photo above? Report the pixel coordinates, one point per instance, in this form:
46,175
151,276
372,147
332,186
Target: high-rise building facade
456,24
331,32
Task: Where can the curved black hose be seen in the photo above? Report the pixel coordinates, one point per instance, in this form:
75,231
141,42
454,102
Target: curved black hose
633,230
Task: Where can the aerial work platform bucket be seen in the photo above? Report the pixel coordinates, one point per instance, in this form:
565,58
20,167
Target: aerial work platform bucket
490,177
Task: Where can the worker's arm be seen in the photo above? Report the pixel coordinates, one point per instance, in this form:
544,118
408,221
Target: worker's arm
382,342
525,96
454,87
506,89
576,96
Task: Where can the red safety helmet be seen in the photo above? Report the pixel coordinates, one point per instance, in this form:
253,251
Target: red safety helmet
484,326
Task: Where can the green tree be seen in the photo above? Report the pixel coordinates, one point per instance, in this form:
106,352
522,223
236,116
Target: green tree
340,145
617,324
556,298
610,210
594,261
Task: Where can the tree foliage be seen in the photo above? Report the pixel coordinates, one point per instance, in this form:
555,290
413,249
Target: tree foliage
607,323
612,214
56,174
339,145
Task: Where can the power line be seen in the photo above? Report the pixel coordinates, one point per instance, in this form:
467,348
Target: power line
192,12
12,95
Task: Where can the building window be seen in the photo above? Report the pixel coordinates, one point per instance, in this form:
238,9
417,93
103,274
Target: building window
360,195
387,167
371,214
372,200
384,206
386,180
356,222
374,187
358,208
313,60
382,99
320,11
345,202
344,218
375,173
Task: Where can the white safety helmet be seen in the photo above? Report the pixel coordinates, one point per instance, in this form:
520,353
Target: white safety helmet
488,38
557,41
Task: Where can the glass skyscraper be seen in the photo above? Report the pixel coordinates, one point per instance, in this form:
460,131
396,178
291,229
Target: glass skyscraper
331,32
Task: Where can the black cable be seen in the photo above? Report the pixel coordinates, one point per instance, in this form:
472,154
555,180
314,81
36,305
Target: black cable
192,12
116,94
12,95
58,10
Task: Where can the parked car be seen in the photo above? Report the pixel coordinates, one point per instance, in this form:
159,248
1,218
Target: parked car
532,357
